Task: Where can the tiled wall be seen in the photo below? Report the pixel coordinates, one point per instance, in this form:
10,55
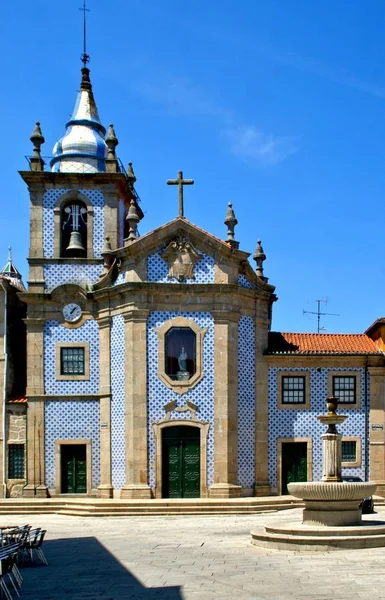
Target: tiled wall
202,394
244,282
289,423
71,419
55,332
84,275
157,269
246,402
118,381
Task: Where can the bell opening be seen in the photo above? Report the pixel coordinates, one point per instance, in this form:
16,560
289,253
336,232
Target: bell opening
74,231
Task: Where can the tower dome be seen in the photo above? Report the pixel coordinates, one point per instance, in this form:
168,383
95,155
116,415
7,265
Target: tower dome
82,149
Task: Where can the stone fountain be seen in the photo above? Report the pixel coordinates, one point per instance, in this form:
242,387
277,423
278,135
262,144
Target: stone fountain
332,517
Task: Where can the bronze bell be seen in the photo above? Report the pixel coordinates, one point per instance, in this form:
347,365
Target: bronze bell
75,242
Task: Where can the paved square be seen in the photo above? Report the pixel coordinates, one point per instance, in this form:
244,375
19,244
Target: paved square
190,558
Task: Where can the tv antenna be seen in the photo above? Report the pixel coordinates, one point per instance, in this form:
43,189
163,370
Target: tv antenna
85,58
319,313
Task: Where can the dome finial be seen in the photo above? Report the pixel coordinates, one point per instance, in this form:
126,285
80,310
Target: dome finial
85,58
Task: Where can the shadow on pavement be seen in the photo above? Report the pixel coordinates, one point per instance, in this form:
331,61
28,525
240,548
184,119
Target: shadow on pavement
83,569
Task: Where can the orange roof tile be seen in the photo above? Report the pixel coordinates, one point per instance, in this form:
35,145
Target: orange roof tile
18,399
321,343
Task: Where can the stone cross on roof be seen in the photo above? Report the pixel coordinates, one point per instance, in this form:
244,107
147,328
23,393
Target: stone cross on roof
180,182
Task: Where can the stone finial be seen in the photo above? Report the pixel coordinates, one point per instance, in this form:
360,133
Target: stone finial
37,139
111,143
130,172
107,255
132,219
259,258
231,222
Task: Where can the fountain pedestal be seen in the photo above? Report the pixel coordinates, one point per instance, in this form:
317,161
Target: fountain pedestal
331,502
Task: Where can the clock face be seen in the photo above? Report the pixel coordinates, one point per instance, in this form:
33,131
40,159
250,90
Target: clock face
72,312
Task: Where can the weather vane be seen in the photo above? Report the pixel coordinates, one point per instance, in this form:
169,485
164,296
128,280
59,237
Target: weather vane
85,58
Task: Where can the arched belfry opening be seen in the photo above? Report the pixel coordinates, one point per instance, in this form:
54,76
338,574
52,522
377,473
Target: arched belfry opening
73,226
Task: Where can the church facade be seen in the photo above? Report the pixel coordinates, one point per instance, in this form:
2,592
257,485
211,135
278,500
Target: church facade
151,368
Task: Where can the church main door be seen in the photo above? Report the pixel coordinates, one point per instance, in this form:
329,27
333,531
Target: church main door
181,462
73,469
294,463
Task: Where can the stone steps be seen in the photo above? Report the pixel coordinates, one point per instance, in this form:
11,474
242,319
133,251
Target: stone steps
87,507
313,542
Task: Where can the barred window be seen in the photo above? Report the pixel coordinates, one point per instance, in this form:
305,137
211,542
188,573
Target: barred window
293,390
72,361
16,461
345,389
349,452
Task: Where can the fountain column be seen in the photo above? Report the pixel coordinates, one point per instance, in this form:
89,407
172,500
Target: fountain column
331,442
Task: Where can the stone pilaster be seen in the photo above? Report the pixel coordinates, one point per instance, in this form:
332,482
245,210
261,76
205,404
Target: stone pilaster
225,406
105,489
136,485
262,485
35,276
35,412
377,427
111,225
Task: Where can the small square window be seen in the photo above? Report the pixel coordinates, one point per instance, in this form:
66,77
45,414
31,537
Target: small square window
72,361
293,390
345,389
349,452
16,461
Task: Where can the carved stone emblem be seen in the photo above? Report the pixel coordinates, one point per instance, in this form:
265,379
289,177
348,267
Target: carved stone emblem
181,257
188,407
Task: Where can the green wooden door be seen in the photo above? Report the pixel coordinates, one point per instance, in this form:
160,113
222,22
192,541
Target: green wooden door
294,463
181,462
73,469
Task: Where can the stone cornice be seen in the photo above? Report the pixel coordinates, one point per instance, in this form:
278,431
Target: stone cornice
136,315
40,260
64,398
322,360
36,177
225,316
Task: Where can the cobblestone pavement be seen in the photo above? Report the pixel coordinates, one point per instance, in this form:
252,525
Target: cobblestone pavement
189,558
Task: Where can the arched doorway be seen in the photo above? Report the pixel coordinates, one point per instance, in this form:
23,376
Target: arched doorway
181,449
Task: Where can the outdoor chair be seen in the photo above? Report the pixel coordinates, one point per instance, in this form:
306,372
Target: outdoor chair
8,568
34,543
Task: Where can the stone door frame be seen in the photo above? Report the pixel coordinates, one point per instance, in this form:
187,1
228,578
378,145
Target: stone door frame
158,429
309,458
84,442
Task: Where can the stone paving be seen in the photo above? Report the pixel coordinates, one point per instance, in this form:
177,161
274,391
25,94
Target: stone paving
190,558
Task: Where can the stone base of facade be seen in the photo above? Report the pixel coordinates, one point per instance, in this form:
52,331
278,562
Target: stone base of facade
105,491
42,491
262,489
31,491
225,490
135,492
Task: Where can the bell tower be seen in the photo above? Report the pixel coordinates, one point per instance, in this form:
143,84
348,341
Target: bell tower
78,197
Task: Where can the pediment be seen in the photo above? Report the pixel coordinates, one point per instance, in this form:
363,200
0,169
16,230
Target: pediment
180,228
179,251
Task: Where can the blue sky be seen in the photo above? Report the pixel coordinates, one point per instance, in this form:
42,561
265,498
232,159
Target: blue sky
277,106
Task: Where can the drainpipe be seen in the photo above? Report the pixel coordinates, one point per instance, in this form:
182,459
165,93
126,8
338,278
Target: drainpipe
5,386
366,422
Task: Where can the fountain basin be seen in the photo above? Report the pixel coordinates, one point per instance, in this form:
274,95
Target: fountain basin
332,504
324,490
